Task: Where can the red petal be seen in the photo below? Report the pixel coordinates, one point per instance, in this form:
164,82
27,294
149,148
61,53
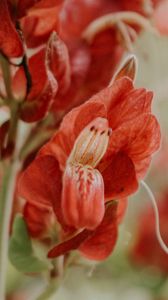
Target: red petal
76,15
41,184
80,62
82,197
134,103
41,181
104,238
71,244
119,177
38,218
100,245
39,24
105,55
57,52
139,138
10,43
44,87
24,5
124,102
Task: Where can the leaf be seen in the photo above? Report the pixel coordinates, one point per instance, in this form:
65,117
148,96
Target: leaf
20,249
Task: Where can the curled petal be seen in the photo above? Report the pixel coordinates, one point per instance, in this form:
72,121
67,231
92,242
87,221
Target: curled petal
100,244
58,61
80,63
119,177
68,245
82,197
128,69
44,88
10,42
97,244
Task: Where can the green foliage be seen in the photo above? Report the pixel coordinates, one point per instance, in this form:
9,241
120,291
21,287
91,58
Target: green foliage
21,252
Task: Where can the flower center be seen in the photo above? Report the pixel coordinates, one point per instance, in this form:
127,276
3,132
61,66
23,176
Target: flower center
91,144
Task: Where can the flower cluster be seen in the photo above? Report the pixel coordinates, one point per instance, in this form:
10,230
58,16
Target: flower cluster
92,133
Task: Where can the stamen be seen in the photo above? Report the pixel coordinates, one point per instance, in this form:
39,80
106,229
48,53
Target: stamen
157,225
91,144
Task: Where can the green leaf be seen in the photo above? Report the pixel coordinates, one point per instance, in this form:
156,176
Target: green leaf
21,252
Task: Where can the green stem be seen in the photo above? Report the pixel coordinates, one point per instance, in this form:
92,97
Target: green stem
6,201
55,281
9,175
50,290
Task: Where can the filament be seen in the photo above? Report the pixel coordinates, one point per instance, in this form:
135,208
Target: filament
156,213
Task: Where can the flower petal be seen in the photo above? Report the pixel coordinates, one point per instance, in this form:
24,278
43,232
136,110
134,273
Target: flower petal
68,245
44,88
124,102
82,197
59,62
41,184
139,138
134,103
119,177
101,243
80,62
10,42
39,219
38,24
105,54
41,181
24,5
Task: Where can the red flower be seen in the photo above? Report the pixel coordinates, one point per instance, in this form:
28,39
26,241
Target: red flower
36,87
85,165
92,60
147,250
10,41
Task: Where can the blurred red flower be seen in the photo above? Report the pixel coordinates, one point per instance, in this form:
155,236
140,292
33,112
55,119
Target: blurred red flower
147,250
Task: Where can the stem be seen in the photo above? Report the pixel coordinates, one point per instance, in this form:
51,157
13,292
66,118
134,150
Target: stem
6,201
50,291
54,281
11,169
